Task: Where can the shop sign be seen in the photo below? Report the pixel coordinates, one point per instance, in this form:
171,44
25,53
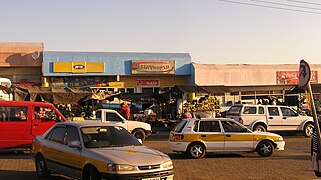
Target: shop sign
292,77
78,67
110,84
148,83
153,67
116,84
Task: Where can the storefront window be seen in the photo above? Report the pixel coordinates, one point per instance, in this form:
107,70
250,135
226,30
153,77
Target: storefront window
129,90
147,90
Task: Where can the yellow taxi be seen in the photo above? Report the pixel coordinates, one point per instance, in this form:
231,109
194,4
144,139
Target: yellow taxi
93,150
195,137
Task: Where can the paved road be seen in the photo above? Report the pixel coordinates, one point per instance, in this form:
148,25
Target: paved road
293,163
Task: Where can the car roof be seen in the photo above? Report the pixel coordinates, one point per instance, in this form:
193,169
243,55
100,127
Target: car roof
210,119
3,102
80,124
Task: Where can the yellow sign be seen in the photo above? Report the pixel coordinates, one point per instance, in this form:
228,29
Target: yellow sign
153,67
308,99
78,119
116,84
110,84
78,67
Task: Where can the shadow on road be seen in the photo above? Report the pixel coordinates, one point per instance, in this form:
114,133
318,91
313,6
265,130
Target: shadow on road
17,175
14,154
209,155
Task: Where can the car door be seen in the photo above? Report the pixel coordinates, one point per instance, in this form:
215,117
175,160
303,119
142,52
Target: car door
290,119
44,117
210,132
236,137
69,157
274,118
14,129
51,147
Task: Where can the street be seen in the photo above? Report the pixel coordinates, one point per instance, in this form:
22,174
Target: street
293,163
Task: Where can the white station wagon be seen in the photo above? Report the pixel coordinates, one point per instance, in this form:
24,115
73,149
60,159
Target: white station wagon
92,150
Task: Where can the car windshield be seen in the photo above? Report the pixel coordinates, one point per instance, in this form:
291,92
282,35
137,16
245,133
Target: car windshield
107,136
234,111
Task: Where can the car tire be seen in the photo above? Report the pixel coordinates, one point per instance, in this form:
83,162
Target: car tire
259,128
196,150
308,130
41,167
91,173
265,148
139,134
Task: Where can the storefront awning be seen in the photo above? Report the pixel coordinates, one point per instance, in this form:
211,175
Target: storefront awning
51,95
189,89
214,90
316,88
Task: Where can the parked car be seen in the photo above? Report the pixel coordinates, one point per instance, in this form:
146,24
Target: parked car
139,129
21,121
95,150
271,118
195,137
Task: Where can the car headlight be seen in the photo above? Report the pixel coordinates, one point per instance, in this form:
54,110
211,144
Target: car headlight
280,138
120,167
167,164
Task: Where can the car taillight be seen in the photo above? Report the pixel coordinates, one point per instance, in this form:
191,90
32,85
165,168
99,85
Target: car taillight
241,120
178,137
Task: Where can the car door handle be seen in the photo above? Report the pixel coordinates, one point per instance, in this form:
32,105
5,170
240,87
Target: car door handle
270,117
36,125
284,118
203,135
228,135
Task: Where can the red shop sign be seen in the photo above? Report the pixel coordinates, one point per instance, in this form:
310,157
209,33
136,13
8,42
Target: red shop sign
148,82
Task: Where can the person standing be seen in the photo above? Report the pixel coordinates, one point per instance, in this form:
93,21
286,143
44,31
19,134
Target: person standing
186,115
125,110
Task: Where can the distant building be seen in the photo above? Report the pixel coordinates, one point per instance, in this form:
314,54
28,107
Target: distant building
21,62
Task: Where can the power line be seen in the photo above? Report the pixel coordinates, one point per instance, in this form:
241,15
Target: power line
271,7
305,2
288,5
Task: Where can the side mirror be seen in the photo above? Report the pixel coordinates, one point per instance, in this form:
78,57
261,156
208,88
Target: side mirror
74,144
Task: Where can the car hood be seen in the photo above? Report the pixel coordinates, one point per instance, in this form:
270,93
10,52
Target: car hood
134,155
265,134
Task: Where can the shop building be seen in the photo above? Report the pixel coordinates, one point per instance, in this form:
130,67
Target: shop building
250,82
128,72
21,62
134,75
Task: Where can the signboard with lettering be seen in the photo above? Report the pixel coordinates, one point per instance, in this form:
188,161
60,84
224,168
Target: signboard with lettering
78,67
292,77
148,83
153,67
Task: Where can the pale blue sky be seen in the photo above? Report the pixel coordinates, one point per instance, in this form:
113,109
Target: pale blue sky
212,31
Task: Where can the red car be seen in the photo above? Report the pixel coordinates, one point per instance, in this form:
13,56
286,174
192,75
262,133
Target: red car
21,121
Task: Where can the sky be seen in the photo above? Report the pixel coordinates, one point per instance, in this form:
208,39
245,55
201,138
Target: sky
211,31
